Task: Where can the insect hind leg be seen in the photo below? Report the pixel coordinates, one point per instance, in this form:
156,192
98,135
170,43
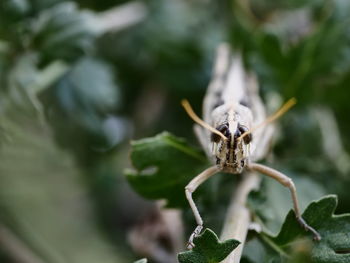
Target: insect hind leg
287,182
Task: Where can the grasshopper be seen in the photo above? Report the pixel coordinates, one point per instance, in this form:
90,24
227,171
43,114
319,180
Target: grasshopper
233,132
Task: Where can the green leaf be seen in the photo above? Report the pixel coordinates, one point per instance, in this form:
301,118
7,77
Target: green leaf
208,249
63,31
78,105
13,8
89,86
271,203
334,246
164,165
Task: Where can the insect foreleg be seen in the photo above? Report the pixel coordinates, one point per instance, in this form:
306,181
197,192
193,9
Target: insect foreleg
287,182
189,189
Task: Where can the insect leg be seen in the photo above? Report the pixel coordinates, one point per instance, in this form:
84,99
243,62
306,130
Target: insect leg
189,189
287,182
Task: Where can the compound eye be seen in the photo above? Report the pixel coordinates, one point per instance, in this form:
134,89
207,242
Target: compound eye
223,128
247,138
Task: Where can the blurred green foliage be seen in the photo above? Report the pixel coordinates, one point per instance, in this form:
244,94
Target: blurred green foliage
71,97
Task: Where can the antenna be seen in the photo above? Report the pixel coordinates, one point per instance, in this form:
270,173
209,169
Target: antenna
198,120
290,103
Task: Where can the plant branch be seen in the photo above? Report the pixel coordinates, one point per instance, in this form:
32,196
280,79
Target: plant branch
15,248
238,216
122,16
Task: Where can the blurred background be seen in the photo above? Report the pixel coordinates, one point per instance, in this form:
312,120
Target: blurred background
80,79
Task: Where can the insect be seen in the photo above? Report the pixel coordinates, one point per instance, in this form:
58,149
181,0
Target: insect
234,133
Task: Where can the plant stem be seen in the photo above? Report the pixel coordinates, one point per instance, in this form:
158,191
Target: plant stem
238,216
17,250
122,16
